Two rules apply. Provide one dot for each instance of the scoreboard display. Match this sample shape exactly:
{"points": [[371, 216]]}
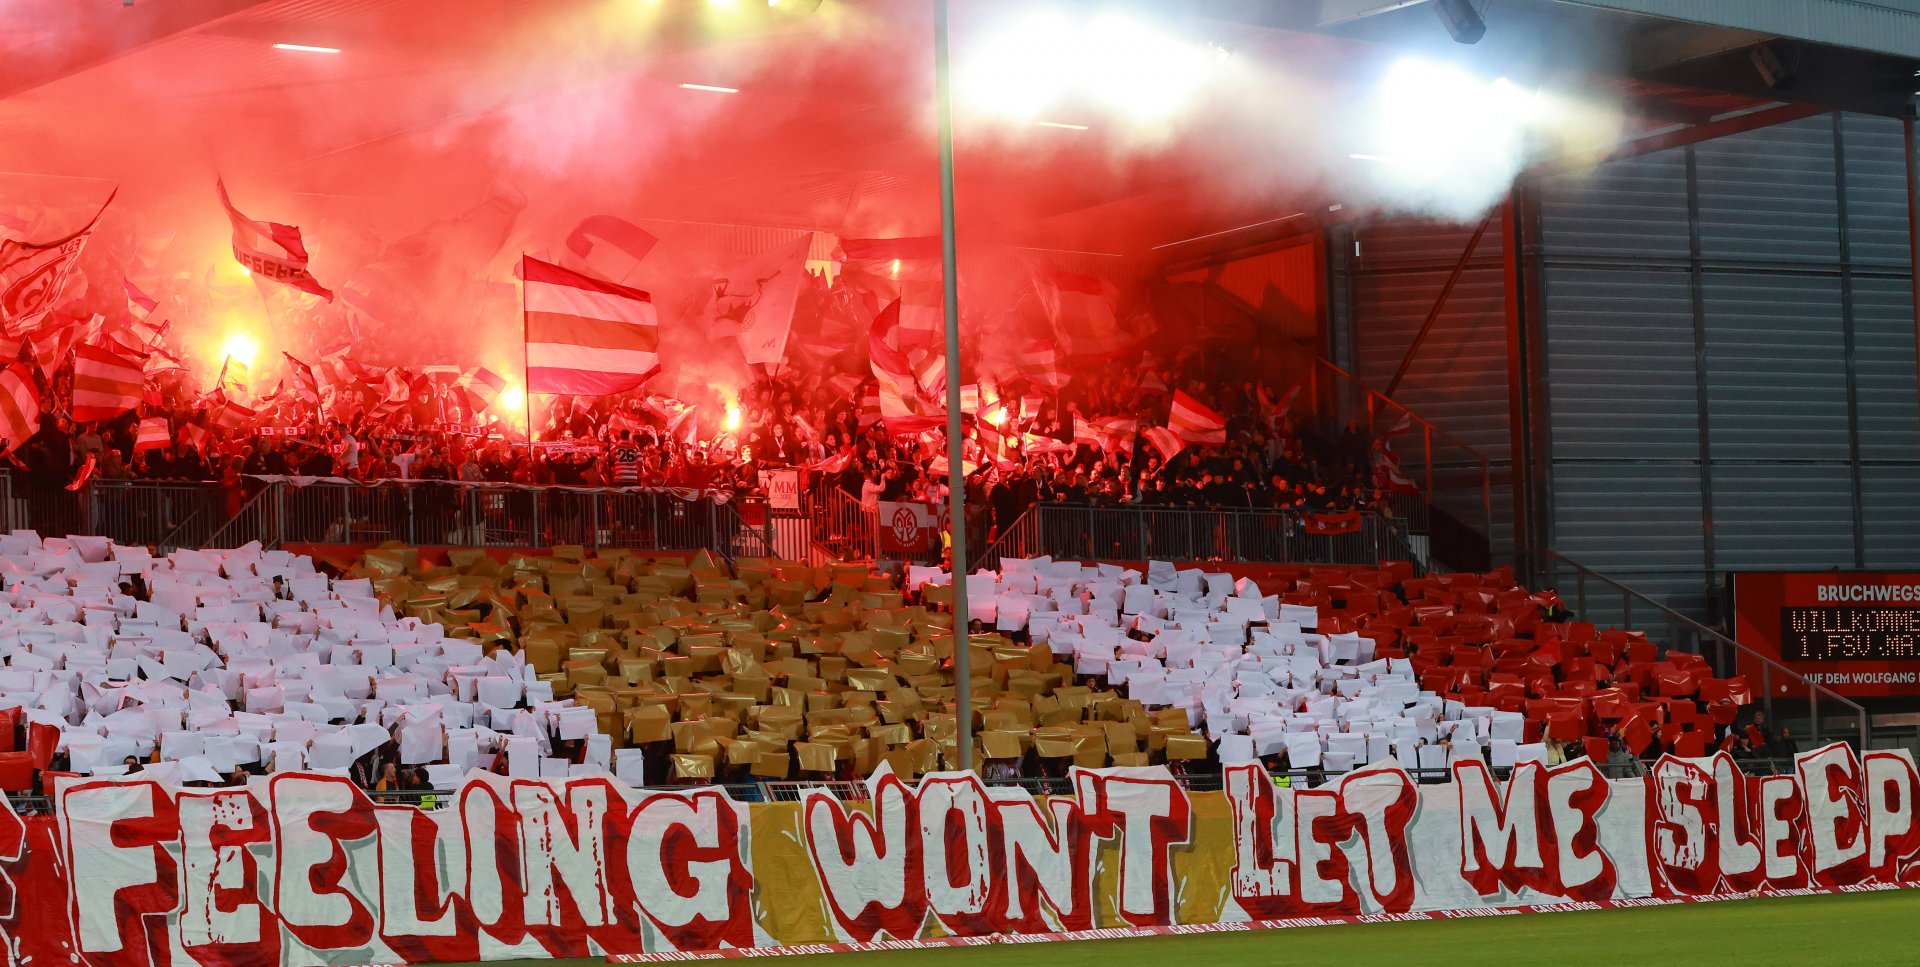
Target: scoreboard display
{"points": [[1857, 633]]}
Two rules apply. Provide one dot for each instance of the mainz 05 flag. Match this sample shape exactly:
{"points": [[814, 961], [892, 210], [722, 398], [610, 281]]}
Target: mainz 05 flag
{"points": [[32, 274], [586, 336], [270, 250]]}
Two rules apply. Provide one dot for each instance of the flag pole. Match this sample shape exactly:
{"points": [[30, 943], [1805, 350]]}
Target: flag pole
{"points": [[956, 480], [526, 363]]}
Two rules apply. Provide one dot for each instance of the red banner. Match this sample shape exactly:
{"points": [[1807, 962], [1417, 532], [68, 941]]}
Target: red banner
{"points": [[1857, 633]]}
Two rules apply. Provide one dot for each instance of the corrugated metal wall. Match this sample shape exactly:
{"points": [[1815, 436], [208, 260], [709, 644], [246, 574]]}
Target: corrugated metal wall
{"points": [[1459, 378], [1730, 358]]}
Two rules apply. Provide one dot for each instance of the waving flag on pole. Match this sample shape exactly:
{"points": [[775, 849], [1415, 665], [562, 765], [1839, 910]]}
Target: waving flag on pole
{"points": [[1080, 307], [105, 384], [1164, 440], [153, 435], [270, 250], [1194, 422], [586, 336], [898, 388], [19, 407], [1039, 360], [230, 416], [305, 386]]}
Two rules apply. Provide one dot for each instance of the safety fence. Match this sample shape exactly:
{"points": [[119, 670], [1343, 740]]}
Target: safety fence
{"points": [[1182, 534]]}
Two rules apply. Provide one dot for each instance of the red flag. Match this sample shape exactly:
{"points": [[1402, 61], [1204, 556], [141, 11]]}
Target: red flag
{"points": [[153, 434], [1194, 422], [19, 407], [105, 385], [586, 336], [1165, 441], [1326, 525], [270, 250]]}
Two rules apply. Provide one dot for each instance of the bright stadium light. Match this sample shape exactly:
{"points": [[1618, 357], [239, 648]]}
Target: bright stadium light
{"points": [[1436, 131], [1139, 70], [711, 88], [307, 48]]}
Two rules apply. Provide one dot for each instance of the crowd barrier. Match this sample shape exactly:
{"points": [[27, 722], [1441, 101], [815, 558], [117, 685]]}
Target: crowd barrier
{"points": [[307, 869]]}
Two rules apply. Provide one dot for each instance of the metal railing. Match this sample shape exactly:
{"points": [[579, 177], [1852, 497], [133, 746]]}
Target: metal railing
{"points": [[1180, 534], [1784, 694], [154, 513], [448, 513]]}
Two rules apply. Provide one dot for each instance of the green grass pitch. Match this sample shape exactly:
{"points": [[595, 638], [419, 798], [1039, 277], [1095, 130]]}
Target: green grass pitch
{"points": [[1860, 930]]}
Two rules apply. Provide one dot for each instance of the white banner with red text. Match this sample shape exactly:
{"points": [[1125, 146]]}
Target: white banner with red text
{"points": [[306, 869]]}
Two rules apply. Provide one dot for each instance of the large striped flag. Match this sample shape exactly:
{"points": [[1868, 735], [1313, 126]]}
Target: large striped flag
{"points": [[153, 435], [586, 336], [1194, 422], [19, 407], [270, 250], [105, 384]]}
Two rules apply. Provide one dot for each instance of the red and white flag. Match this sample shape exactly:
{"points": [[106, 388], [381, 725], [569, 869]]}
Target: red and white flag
{"points": [[105, 384], [931, 373], [153, 434], [484, 383], [270, 250], [762, 294], [230, 416], [33, 274], [194, 437], [148, 324], [1164, 440], [586, 336], [305, 386], [923, 321], [1080, 307], [897, 387], [19, 407], [1039, 360], [1387, 473], [1194, 422]]}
